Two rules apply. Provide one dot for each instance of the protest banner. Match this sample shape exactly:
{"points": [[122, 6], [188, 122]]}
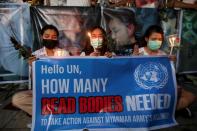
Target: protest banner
{"points": [[103, 94]]}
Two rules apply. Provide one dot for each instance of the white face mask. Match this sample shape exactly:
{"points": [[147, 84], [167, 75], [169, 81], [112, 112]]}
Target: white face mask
{"points": [[96, 42]]}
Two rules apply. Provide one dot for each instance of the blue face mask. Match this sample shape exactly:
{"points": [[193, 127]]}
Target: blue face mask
{"points": [[154, 44]]}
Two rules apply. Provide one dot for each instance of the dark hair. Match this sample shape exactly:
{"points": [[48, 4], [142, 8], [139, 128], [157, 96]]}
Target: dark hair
{"points": [[102, 30], [153, 29], [125, 15], [89, 49], [52, 27]]}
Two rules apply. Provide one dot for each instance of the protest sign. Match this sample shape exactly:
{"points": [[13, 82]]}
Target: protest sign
{"points": [[102, 93]]}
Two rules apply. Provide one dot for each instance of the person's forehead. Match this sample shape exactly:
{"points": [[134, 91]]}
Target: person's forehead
{"points": [[115, 22], [96, 31], [50, 32], [155, 34]]}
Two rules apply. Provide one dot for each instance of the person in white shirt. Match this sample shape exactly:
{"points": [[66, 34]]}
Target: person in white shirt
{"points": [[49, 35], [154, 39]]}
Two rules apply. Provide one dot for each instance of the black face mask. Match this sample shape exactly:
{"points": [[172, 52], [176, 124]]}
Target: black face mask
{"points": [[50, 44]]}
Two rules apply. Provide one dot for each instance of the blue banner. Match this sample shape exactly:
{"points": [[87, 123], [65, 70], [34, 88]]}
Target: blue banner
{"points": [[103, 93]]}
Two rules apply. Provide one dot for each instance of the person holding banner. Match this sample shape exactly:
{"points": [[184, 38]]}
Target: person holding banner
{"points": [[154, 37], [49, 35], [122, 26], [97, 45]]}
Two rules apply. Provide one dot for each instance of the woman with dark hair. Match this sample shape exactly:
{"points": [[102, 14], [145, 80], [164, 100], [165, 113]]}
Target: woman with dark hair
{"points": [[49, 36], [153, 39], [97, 45]]}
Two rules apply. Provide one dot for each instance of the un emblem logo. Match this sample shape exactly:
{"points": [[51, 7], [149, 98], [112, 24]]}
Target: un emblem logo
{"points": [[151, 75]]}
